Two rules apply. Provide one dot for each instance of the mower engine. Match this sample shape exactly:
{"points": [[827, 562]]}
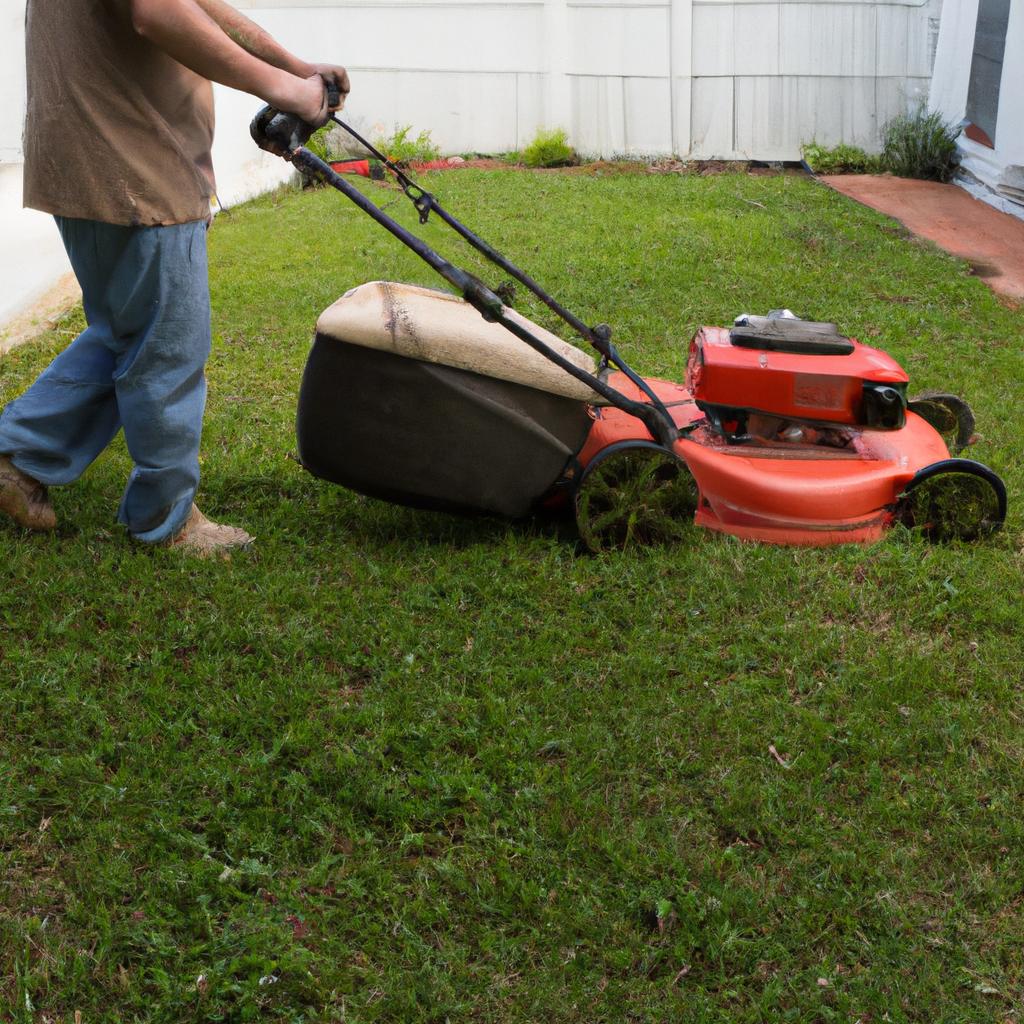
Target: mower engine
{"points": [[783, 379]]}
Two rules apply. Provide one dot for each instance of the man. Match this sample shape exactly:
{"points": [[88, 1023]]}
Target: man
{"points": [[117, 147]]}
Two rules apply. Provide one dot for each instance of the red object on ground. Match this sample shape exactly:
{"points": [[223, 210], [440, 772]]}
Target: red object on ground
{"points": [[361, 167], [991, 241]]}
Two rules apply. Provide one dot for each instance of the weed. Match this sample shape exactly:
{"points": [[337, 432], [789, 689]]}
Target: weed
{"points": [[842, 159], [326, 143], [402, 149], [320, 143], [549, 148], [921, 145]]}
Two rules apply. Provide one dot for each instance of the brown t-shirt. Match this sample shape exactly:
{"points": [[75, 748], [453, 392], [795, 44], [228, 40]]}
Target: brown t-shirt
{"points": [[116, 130]]}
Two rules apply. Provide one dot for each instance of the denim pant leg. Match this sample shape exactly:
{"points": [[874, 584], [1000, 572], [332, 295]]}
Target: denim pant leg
{"points": [[138, 364], [160, 381], [56, 429]]}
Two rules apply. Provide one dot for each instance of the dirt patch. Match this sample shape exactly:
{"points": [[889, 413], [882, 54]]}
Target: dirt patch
{"points": [[663, 165], [709, 168], [42, 315], [992, 242], [487, 163], [603, 168]]}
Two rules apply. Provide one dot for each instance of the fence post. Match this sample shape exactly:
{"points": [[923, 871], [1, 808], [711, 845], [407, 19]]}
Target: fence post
{"points": [[680, 65], [558, 111]]}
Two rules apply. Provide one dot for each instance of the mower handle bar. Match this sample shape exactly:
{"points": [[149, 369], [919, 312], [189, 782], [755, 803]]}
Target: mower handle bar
{"points": [[286, 135], [599, 336]]}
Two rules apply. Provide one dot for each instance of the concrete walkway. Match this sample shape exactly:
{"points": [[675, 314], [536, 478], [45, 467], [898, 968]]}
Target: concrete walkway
{"points": [[41, 315], [32, 258], [992, 242]]}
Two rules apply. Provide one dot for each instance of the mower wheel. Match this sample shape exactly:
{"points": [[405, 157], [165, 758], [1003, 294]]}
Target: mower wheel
{"points": [[950, 415], [955, 499], [635, 492]]}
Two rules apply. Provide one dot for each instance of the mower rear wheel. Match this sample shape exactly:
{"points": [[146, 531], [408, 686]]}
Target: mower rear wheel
{"points": [[956, 499], [635, 493], [950, 415]]}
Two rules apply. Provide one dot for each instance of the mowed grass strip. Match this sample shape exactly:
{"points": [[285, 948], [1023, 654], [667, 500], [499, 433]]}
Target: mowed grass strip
{"points": [[396, 766]]}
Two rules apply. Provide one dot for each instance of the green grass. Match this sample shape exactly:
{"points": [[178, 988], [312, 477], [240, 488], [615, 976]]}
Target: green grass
{"points": [[841, 159], [396, 766]]}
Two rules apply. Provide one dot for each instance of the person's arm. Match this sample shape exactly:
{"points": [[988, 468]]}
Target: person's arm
{"points": [[261, 44], [183, 30]]}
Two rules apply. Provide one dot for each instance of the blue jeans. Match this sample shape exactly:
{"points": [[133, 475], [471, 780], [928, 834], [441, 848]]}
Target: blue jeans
{"points": [[138, 365]]}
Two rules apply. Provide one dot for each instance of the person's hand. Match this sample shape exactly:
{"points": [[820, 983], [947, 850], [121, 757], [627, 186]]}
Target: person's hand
{"points": [[304, 97], [332, 73]]}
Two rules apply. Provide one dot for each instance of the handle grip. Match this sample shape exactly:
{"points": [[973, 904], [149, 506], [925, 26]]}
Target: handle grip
{"points": [[281, 133]]}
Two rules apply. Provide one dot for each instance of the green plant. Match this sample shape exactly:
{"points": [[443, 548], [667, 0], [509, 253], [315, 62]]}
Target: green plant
{"points": [[402, 149], [550, 148], [322, 143], [841, 159], [319, 143], [920, 145]]}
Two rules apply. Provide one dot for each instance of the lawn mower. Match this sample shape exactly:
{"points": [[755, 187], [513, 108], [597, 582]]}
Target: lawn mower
{"points": [[783, 431]]}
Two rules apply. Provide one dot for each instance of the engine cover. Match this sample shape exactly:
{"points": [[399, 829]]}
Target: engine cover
{"points": [[800, 378]]}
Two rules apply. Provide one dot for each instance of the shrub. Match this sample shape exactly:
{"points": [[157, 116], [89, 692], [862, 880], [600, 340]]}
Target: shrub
{"points": [[920, 145], [401, 149], [320, 145], [550, 148], [840, 159]]}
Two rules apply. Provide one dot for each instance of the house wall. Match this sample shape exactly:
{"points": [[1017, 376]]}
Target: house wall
{"points": [[12, 80], [993, 168]]}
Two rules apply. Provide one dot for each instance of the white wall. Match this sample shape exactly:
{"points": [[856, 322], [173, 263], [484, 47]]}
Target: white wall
{"points": [[994, 168], [721, 78], [770, 76], [31, 253], [12, 78], [243, 170]]}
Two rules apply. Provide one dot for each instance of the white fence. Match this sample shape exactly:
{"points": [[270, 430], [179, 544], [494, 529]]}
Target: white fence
{"points": [[707, 79]]}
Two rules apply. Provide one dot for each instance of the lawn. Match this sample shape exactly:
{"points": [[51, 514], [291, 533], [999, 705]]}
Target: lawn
{"points": [[397, 766]]}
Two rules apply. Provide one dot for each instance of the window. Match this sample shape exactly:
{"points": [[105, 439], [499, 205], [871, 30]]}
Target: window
{"points": [[986, 70]]}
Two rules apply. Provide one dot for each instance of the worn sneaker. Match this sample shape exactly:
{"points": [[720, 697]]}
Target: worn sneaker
{"points": [[199, 536], [24, 498]]}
